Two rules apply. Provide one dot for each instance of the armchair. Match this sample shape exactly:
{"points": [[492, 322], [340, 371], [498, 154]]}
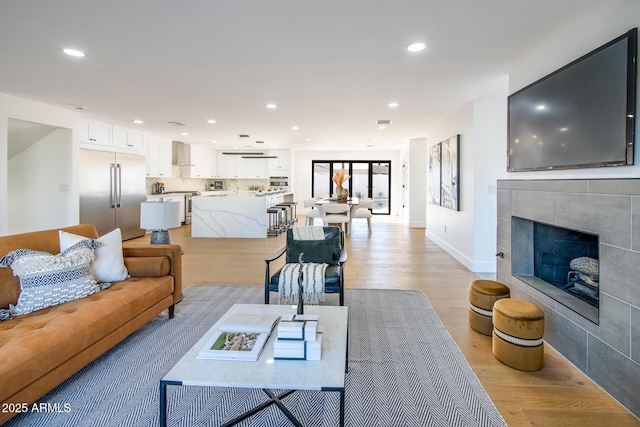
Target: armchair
{"points": [[330, 250]]}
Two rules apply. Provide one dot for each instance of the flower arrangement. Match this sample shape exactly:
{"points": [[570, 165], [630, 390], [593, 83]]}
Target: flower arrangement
{"points": [[339, 176]]}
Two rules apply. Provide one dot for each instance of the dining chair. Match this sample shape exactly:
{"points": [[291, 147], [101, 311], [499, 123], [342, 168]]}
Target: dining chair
{"points": [[313, 213], [336, 213], [362, 210]]}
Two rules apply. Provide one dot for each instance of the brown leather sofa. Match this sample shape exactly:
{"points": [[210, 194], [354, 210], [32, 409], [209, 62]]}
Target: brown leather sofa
{"points": [[40, 350]]}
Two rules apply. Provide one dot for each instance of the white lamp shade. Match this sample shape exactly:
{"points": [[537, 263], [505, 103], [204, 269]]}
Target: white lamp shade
{"points": [[159, 215]]}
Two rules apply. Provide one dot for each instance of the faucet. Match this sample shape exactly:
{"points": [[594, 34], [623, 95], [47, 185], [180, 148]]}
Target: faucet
{"points": [[236, 182]]}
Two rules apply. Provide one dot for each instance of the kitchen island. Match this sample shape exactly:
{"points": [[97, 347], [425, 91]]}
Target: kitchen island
{"points": [[233, 215]]}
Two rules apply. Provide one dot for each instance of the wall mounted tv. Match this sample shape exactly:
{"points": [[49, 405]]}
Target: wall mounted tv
{"points": [[580, 116]]}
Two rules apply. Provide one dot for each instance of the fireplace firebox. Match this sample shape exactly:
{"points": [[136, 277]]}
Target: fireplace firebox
{"points": [[559, 262]]}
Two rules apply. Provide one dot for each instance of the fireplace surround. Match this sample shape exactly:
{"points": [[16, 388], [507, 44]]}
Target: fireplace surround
{"points": [[608, 351]]}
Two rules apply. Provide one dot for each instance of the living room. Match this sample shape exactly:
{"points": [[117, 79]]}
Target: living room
{"points": [[469, 236]]}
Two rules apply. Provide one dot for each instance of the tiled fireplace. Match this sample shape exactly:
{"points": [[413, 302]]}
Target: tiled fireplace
{"points": [[549, 258], [565, 220]]}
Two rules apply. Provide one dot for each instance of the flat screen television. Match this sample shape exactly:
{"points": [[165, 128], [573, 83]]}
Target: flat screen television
{"points": [[580, 116]]}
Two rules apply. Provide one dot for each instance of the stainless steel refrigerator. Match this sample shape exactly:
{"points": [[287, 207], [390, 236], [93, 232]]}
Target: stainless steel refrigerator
{"points": [[112, 186]]}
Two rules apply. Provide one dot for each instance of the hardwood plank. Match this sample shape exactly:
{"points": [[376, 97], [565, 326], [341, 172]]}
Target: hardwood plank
{"points": [[397, 257]]}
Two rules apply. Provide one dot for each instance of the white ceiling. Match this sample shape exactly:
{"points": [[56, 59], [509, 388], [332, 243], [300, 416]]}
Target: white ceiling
{"points": [[330, 66]]}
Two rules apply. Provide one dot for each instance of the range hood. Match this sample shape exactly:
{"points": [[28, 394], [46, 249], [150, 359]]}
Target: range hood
{"points": [[181, 154]]}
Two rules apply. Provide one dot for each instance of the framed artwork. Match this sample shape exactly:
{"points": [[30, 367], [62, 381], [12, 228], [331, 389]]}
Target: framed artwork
{"points": [[444, 173], [434, 174], [449, 180]]}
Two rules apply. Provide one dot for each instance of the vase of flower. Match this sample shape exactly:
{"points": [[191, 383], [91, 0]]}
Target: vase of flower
{"points": [[342, 193], [339, 178]]}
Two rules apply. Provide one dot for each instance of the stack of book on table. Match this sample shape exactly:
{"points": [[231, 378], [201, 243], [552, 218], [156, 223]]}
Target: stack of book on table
{"points": [[239, 337], [298, 338]]}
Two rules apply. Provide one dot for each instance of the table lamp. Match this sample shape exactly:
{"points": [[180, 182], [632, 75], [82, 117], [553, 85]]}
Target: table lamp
{"points": [[160, 217]]}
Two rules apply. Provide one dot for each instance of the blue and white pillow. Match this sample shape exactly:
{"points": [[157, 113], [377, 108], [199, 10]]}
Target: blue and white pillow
{"points": [[47, 280]]}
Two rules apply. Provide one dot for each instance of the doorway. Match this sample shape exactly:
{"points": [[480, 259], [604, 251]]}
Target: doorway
{"points": [[39, 176], [367, 179]]}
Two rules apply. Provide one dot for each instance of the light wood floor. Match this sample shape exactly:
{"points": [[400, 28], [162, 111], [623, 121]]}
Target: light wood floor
{"points": [[398, 257]]}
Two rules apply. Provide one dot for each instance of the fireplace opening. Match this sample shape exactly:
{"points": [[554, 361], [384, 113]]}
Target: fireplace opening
{"points": [[560, 262]]}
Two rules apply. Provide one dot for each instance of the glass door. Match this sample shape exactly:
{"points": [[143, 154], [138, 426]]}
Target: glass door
{"points": [[321, 180], [367, 179], [380, 188]]}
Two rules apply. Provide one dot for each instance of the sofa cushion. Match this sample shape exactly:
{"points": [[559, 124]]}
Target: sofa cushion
{"points": [[47, 280], [34, 344], [108, 265]]}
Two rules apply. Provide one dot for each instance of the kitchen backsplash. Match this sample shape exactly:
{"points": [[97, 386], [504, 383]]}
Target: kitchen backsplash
{"points": [[178, 183]]}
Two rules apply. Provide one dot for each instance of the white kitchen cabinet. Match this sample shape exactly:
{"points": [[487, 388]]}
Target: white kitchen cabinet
{"points": [[95, 132], [199, 159], [158, 157], [282, 160], [127, 138], [212, 158], [221, 165], [257, 168], [235, 166]]}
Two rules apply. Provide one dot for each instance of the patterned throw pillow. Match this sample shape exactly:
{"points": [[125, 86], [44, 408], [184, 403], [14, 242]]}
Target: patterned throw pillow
{"points": [[47, 279]]}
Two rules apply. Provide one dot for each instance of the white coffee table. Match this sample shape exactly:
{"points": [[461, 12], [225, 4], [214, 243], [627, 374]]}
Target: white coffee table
{"points": [[326, 374]]}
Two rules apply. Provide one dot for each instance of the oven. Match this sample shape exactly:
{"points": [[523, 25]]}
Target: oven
{"points": [[280, 182]]}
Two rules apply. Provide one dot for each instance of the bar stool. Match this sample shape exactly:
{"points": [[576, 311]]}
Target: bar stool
{"points": [[288, 211], [274, 221], [285, 211], [292, 207]]}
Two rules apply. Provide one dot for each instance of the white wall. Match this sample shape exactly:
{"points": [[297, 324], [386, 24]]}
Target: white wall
{"points": [[615, 19], [470, 234], [418, 166], [18, 108], [301, 174], [39, 197]]}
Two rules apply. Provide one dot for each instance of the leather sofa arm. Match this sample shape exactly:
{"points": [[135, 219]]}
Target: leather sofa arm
{"points": [[172, 252]]}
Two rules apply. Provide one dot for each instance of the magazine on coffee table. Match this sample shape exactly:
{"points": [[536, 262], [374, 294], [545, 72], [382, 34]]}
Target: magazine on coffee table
{"points": [[239, 337]]}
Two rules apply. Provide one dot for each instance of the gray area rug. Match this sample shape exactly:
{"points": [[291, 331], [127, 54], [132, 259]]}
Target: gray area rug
{"points": [[404, 370]]}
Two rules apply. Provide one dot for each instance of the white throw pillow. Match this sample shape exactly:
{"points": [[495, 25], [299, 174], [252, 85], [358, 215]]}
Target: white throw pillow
{"points": [[109, 264]]}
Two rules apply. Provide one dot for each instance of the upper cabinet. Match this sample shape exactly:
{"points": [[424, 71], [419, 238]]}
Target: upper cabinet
{"points": [[103, 134], [281, 165], [95, 132], [158, 157], [127, 138]]}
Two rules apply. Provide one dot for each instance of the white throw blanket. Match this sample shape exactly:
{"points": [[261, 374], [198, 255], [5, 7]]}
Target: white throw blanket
{"points": [[308, 233], [312, 283]]}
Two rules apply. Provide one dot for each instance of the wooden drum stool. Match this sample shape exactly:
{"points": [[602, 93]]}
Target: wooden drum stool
{"points": [[518, 327], [482, 295]]}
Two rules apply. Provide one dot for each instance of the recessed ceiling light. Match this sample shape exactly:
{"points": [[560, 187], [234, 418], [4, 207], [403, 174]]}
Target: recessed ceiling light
{"points": [[416, 47], [80, 107], [295, 127], [308, 139], [211, 121], [271, 106], [393, 104], [74, 52], [214, 142], [382, 127], [138, 121], [184, 134]]}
